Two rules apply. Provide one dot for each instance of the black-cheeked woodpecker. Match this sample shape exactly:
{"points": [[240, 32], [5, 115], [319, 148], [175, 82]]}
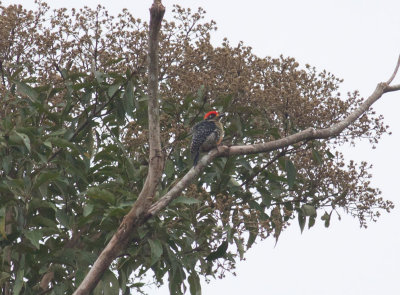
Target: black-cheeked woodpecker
{"points": [[207, 135]]}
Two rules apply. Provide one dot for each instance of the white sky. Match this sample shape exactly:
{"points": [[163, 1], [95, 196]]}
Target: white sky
{"points": [[355, 40]]}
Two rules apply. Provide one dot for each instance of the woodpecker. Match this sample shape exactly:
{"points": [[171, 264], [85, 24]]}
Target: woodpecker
{"points": [[207, 135]]}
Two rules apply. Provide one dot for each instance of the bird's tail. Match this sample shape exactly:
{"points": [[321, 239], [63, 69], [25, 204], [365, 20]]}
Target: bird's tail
{"points": [[195, 158]]}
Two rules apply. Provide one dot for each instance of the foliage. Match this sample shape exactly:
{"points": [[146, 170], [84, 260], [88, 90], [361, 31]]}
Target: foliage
{"points": [[73, 150]]}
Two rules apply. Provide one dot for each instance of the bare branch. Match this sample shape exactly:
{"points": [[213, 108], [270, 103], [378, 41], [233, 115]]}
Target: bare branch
{"points": [[137, 214], [394, 72]]}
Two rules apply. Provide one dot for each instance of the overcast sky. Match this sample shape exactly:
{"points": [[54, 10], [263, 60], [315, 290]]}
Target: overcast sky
{"points": [[358, 41]]}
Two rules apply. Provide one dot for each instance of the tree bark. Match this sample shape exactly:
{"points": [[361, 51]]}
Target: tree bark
{"points": [[138, 212]]}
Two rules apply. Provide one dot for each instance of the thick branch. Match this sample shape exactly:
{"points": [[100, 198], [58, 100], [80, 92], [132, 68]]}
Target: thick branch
{"points": [[137, 214], [156, 14], [392, 88]]}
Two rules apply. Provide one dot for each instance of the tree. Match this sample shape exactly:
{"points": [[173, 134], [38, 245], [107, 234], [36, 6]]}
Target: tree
{"points": [[83, 164]]}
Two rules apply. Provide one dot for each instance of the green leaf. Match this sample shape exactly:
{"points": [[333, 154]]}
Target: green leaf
{"points": [[25, 139], [327, 218], [185, 200], [330, 155], [194, 284], [99, 76], [254, 205], [143, 98], [239, 245], [113, 61], [309, 210], [25, 89], [188, 101], [288, 206], [48, 144], [142, 231], [130, 168], [18, 281], [252, 239], [40, 220], [3, 222], [61, 142], [60, 289], [225, 101], [80, 275], [17, 71], [4, 276], [237, 126], [45, 177], [317, 157], [108, 285], [176, 279], [100, 194], [119, 110], [276, 178], [274, 132], [200, 94], [302, 221], [229, 236], [113, 89], [34, 236], [220, 252], [311, 221], [63, 218], [233, 182], [128, 99], [118, 212], [88, 209], [156, 250], [169, 168], [59, 132], [245, 164], [111, 285], [6, 163], [291, 173]]}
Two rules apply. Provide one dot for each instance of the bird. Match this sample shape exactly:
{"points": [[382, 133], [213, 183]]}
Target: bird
{"points": [[206, 135]]}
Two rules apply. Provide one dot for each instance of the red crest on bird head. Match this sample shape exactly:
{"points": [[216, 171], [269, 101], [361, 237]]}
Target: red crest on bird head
{"points": [[210, 113]]}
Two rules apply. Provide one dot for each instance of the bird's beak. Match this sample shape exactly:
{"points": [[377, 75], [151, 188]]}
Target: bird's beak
{"points": [[221, 115]]}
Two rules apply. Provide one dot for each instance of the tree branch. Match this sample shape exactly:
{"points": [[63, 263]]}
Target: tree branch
{"points": [[394, 72], [308, 134], [392, 88], [137, 214]]}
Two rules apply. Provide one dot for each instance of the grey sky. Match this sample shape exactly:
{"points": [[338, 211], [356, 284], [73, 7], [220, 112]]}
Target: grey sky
{"points": [[358, 41]]}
